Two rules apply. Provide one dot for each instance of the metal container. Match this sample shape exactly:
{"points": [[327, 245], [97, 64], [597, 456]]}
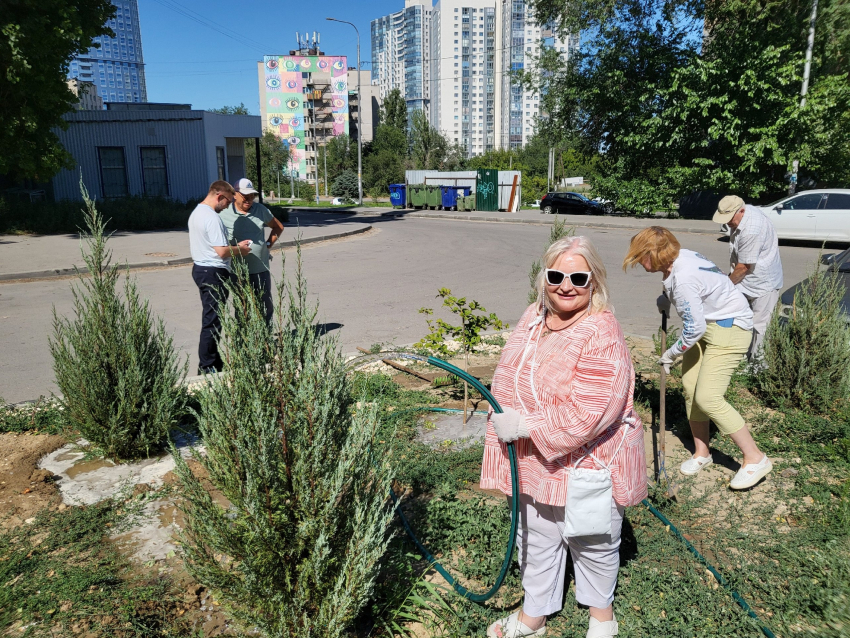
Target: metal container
{"points": [[398, 195], [417, 195], [433, 196]]}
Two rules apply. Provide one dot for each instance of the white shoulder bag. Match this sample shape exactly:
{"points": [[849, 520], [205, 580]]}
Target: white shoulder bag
{"points": [[589, 494]]}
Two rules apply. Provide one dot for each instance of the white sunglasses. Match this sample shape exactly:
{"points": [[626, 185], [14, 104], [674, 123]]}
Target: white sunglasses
{"points": [[577, 279]]}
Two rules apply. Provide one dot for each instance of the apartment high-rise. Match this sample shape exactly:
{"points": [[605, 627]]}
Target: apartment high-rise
{"points": [[474, 46], [117, 66], [401, 44]]}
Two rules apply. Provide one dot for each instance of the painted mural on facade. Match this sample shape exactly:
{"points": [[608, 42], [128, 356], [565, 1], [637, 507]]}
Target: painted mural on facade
{"points": [[285, 96]]}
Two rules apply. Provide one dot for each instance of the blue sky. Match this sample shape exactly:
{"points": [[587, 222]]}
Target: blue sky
{"points": [[215, 65]]}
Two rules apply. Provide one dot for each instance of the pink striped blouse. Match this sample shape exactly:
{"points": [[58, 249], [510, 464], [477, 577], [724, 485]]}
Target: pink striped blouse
{"points": [[582, 393]]}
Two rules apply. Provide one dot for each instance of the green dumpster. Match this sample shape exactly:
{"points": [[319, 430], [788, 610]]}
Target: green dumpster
{"points": [[433, 197], [468, 202], [417, 195], [488, 189]]}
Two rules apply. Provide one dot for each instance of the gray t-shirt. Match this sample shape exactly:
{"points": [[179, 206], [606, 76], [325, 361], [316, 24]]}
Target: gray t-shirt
{"points": [[251, 225], [754, 242], [206, 231]]}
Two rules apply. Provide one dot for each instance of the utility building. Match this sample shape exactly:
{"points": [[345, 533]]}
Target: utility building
{"points": [[154, 150]]}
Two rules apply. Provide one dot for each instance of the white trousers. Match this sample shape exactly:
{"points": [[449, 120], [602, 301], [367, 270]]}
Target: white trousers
{"points": [[543, 559], [762, 308]]}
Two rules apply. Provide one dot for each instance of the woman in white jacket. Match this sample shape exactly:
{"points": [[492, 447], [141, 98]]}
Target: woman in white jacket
{"points": [[717, 328]]}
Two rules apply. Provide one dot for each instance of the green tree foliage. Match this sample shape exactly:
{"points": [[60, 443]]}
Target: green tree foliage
{"points": [[386, 158], [806, 354], [295, 551], [558, 231], [473, 320], [688, 96], [394, 110], [37, 42], [342, 156], [115, 363], [429, 148], [274, 156], [345, 185], [232, 110]]}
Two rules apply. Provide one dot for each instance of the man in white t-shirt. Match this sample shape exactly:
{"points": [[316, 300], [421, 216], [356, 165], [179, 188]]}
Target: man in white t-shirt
{"points": [[754, 260], [211, 256]]}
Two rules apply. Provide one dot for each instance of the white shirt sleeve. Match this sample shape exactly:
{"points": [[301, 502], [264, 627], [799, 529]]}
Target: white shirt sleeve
{"points": [[688, 304], [216, 233]]}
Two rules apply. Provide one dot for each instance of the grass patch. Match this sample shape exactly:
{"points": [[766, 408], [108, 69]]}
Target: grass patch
{"points": [[60, 578], [45, 416]]}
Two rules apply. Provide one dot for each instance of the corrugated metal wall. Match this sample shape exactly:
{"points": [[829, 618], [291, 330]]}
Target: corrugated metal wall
{"points": [[506, 182], [189, 138], [470, 178]]}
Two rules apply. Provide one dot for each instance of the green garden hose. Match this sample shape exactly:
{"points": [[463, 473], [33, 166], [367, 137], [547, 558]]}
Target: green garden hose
{"points": [[506, 563], [480, 598]]}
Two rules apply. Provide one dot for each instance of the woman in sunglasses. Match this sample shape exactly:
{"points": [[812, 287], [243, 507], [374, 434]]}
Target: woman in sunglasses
{"points": [[565, 382], [717, 326]]}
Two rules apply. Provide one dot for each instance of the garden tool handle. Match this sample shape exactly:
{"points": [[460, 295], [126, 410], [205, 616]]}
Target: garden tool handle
{"points": [[662, 402]]}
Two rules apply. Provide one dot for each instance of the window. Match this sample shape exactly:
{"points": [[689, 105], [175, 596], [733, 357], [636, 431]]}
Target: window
{"points": [[803, 202], [154, 172], [838, 201], [113, 171], [219, 157]]}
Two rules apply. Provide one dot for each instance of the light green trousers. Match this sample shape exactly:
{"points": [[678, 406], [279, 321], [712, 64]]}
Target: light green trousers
{"points": [[706, 371]]}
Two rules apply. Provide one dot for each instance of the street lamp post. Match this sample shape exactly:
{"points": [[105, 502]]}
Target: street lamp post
{"points": [[359, 118]]}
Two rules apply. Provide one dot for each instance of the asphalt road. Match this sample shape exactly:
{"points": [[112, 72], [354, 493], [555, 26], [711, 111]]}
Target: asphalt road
{"points": [[370, 288]]}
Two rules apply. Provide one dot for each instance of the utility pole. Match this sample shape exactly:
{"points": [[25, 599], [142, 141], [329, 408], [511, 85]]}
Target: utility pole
{"points": [[359, 118], [315, 149], [325, 153], [792, 187]]}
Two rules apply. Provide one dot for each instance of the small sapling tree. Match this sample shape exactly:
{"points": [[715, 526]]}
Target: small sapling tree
{"points": [[806, 351], [558, 231], [115, 363], [467, 334], [292, 539]]}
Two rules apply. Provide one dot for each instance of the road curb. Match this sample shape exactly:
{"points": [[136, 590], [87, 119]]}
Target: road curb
{"points": [[67, 272], [545, 222]]}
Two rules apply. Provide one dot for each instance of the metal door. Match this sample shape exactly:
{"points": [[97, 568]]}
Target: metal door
{"points": [[487, 195]]}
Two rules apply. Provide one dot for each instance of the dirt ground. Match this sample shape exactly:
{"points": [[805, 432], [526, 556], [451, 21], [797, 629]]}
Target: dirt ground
{"points": [[24, 489]]}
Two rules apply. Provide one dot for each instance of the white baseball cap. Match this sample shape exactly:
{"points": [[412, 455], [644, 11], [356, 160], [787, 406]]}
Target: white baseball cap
{"points": [[245, 186]]}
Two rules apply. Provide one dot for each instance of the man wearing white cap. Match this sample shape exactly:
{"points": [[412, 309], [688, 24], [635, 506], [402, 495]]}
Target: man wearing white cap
{"points": [[754, 259], [246, 219]]}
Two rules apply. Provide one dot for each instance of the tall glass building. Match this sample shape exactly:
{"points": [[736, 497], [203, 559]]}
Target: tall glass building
{"points": [[117, 66], [401, 56]]}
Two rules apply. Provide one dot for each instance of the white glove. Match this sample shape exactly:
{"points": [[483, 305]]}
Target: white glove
{"points": [[509, 426], [667, 360], [663, 304]]}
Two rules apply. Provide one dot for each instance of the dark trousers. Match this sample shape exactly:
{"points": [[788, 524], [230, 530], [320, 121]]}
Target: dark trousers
{"points": [[261, 282], [210, 282]]}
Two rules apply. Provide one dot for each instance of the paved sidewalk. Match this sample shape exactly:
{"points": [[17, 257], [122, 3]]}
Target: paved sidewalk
{"points": [[533, 216], [40, 256]]}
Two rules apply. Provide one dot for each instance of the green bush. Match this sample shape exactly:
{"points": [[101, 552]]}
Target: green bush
{"points": [[806, 352], [66, 216], [115, 364], [345, 185], [296, 550]]}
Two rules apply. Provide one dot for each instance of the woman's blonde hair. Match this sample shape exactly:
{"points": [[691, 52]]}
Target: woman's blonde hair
{"points": [[658, 243], [583, 247]]}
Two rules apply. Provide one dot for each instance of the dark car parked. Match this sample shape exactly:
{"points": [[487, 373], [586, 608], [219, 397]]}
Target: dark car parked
{"points": [[569, 204], [839, 266]]}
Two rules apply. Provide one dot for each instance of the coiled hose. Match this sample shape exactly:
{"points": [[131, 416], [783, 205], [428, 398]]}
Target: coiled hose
{"points": [[480, 598]]}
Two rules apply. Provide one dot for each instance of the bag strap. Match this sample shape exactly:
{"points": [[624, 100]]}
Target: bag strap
{"points": [[625, 426]]}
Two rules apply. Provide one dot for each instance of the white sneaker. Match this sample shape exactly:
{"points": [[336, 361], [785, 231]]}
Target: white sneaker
{"points": [[511, 627], [695, 464], [751, 474], [599, 629]]}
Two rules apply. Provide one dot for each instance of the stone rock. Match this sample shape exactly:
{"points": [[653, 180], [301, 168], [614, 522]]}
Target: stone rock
{"points": [[789, 472]]}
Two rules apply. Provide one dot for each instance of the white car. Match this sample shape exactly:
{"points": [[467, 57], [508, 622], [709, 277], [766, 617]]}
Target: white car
{"points": [[535, 204], [819, 215]]}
